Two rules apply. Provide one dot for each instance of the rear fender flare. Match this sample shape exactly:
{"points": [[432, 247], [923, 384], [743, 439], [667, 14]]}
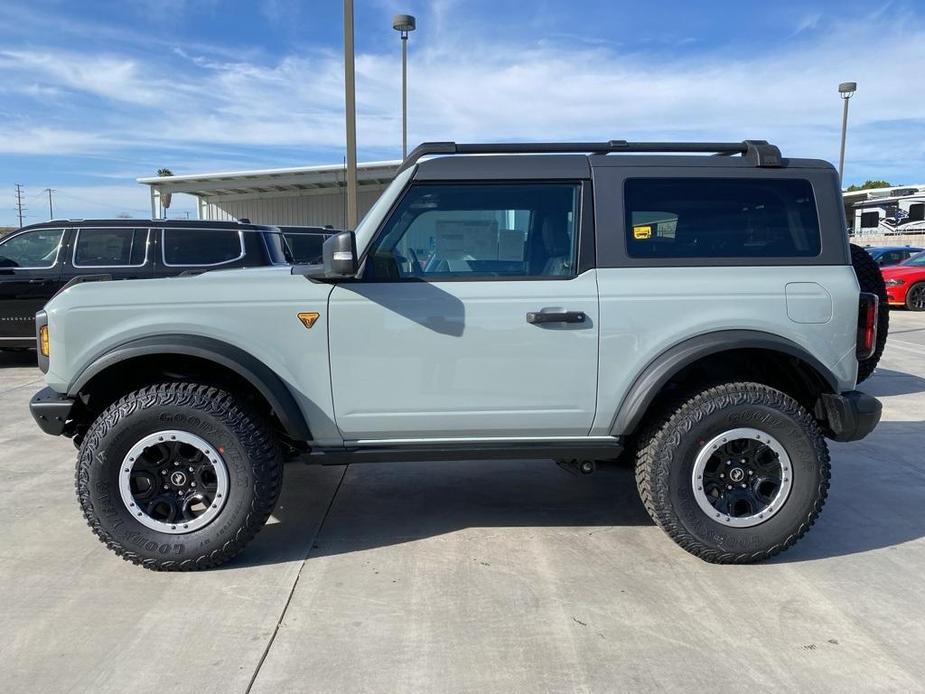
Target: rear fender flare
{"points": [[670, 362]]}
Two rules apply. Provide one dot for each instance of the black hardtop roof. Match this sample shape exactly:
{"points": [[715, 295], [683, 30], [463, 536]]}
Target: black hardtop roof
{"points": [[151, 223], [575, 159]]}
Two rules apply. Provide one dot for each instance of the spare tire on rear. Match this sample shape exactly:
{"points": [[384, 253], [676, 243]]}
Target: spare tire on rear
{"points": [[871, 280]]}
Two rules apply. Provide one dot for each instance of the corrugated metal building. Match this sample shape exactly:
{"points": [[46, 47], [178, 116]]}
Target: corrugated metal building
{"points": [[302, 196]]}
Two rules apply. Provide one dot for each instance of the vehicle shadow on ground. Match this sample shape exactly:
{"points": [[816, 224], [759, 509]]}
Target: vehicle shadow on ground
{"points": [[10, 359], [887, 382], [876, 496], [875, 502], [379, 505]]}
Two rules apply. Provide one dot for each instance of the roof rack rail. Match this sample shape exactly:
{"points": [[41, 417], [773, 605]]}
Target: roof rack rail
{"points": [[759, 152]]}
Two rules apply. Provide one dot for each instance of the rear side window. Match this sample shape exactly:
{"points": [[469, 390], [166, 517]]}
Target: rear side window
{"points": [[110, 247], [721, 218], [201, 246]]}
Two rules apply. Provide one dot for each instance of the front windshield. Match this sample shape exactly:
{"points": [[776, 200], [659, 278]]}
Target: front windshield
{"points": [[370, 222], [918, 259]]}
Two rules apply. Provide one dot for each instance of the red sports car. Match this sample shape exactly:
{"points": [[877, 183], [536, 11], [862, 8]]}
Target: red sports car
{"points": [[905, 283]]}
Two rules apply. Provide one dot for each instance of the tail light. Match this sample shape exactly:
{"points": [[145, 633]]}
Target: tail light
{"points": [[867, 325]]}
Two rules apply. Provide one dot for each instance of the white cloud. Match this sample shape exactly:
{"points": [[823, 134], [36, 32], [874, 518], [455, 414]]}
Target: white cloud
{"points": [[807, 22], [46, 140], [112, 77], [464, 89]]}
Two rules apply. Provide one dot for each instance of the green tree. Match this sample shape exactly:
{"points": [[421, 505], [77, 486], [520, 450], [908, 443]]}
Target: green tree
{"points": [[870, 183], [164, 172]]}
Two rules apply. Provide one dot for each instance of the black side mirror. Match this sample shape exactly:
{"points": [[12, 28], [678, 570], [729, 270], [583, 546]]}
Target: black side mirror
{"points": [[339, 255], [338, 259]]}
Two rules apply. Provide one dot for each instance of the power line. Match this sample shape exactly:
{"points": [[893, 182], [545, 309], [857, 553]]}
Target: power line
{"points": [[19, 206]]}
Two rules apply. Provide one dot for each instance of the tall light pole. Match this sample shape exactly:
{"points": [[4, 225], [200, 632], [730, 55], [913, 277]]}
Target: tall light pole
{"points": [[846, 90], [404, 23], [351, 108]]}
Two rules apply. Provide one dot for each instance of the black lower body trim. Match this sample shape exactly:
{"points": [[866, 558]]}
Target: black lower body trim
{"points": [[51, 410], [17, 343], [592, 450]]}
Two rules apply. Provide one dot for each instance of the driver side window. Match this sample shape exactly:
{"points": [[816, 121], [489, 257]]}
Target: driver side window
{"points": [[479, 231]]}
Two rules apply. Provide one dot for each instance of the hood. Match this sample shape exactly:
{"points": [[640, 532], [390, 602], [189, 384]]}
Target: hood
{"points": [[274, 283]]}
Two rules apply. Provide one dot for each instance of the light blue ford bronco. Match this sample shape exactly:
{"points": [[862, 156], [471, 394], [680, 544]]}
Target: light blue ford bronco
{"points": [[697, 313]]}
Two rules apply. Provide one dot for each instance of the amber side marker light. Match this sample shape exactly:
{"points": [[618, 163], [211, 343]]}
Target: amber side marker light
{"points": [[308, 318], [43, 340]]}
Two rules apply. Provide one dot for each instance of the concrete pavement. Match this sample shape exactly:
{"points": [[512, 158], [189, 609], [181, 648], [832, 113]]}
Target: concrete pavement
{"points": [[473, 577]]}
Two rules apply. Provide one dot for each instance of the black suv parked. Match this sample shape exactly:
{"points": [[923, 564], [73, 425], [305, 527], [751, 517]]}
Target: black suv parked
{"points": [[38, 260], [305, 242]]}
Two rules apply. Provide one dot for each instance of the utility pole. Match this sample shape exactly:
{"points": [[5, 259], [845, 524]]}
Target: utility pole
{"points": [[51, 209], [351, 107], [19, 208]]}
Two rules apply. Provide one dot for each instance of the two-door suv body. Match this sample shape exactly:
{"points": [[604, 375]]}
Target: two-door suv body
{"points": [[566, 301]]}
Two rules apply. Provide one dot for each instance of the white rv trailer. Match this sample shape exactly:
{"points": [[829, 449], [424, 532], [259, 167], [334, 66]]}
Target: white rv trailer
{"points": [[889, 211]]}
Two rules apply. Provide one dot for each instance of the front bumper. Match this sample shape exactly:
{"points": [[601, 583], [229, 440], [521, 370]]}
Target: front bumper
{"points": [[51, 410], [850, 416], [896, 295]]}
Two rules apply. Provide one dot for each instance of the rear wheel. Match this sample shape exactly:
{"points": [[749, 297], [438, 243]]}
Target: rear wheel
{"points": [[915, 297], [178, 476], [870, 280], [736, 474]]}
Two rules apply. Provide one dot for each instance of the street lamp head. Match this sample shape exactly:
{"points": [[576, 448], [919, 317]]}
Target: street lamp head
{"points": [[846, 89], [403, 23]]}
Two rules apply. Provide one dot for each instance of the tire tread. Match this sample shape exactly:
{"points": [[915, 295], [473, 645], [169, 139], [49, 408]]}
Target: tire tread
{"points": [[655, 458], [253, 433], [870, 279]]}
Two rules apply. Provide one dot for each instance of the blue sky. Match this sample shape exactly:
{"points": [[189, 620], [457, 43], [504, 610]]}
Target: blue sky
{"points": [[97, 93]]}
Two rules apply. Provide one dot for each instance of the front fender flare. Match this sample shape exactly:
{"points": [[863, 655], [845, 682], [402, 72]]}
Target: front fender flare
{"points": [[244, 364]]}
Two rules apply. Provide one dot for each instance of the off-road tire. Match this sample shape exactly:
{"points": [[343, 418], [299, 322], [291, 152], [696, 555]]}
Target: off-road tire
{"points": [[871, 280], [665, 461], [249, 451]]}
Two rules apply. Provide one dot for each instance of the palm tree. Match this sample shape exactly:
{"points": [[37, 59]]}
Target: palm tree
{"points": [[165, 197]]}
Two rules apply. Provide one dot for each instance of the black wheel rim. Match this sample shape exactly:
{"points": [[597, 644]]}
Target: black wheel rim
{"points": [[917, 297], [173, 482], [742, 477]]}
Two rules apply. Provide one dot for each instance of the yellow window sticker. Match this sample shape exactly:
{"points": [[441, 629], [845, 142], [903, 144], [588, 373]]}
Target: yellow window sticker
{"points": [[643, 232]]}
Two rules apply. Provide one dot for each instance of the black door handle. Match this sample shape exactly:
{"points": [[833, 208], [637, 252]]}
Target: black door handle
{"points": [[537, 317]]}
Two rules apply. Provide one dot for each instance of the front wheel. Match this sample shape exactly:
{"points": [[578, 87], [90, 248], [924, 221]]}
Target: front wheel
{"points": [[178, 476], [915, 297], [737, 474]]}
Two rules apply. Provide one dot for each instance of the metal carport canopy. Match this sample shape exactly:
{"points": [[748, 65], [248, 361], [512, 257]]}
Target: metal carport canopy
{"points": [[271, 180]]}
